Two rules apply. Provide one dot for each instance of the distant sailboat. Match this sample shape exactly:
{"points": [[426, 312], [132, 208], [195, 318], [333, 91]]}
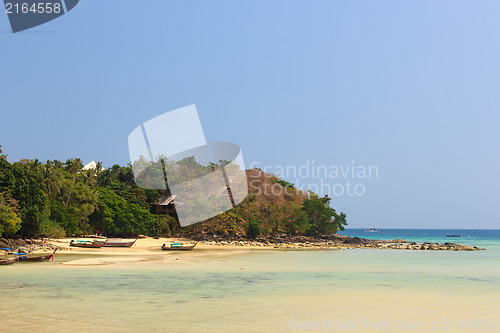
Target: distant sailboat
{"points": [[370, 229]]}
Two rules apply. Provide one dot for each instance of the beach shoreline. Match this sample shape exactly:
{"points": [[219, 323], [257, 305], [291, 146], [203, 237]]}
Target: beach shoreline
{"points": [[153, 245]]}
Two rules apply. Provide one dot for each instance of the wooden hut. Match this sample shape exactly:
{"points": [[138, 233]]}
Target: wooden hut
{"points": [[165, 205]]}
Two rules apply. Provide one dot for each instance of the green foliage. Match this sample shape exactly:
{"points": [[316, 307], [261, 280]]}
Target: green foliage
{"points": [[228, 223], [149, 174], [185, 170], [289, 211], [117, 217], [162, 225], [253, 229], [297, 221], [324, 219], [283, 183], [28, 189], [66, 217], [51, 229], [10, 222], [55, 198]]}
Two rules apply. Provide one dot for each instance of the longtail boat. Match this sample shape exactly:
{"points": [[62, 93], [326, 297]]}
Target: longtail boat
{"points": [[8, 261], [119, 243], [87, 244], [95, 236], [45, 257], [178, 247]]}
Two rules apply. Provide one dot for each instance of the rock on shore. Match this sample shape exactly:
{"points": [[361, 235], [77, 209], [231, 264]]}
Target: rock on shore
{"points": [[329, 241], [26, 245]]}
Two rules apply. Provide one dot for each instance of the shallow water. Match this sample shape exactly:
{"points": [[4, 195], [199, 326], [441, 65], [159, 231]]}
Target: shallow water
{"points": [[255, 291]]}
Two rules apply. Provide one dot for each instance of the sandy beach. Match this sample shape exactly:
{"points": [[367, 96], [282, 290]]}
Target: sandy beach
{"points": [[146, 245], [146, 248], [149, 245]]}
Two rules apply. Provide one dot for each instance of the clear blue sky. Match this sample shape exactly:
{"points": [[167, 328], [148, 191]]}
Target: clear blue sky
{"points": [[409, 86]]}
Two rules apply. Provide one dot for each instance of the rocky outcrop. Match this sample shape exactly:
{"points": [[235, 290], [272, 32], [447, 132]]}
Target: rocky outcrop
{"points": [[329, 241], [25, 245]]}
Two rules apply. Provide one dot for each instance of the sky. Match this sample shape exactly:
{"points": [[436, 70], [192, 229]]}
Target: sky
{"points": [[408, 88]]}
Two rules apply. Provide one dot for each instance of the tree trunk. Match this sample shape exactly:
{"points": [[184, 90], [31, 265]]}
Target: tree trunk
{"points": [[70, 190]]}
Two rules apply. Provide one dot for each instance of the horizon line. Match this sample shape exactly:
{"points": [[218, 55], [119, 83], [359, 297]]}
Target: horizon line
{"points": [[426, 228]]}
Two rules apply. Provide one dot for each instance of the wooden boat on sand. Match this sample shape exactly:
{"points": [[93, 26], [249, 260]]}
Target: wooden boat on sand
{"points": [[117, 242], [178, 247], [8, 261], [87, 244], [45, 257]]}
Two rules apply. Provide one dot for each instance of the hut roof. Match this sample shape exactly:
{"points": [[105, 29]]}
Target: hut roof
{"points": [[165, 200]]}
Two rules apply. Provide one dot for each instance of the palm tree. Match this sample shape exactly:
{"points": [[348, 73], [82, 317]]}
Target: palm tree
{"points": [[98, 166], [36, 163], [57, 164], [92, 174], [73, 166], [50, 177]]}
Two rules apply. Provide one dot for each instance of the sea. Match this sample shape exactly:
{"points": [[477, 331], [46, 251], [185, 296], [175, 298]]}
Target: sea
{"points": [[481, 238], [276, 290]]}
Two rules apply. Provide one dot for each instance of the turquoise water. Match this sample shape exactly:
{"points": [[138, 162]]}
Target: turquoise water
{"points": [[254, 290], [489, 239]]}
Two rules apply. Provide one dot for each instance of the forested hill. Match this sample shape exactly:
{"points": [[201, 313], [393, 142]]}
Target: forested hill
{"points": [[274, 206], [56, 199]]}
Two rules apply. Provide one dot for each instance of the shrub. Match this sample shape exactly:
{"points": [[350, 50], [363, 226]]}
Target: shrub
{"points": [[253, 229], [51, 229]]}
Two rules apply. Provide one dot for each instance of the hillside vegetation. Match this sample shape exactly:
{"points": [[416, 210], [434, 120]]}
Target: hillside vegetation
{"points": [[56, 199], [274, 207]]}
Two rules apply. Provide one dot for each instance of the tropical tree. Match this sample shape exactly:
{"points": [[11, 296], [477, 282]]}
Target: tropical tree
{"points": [[51, 178], [323, 218], [10, 222], [116, 217], [27, 187], [73, 166]]}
